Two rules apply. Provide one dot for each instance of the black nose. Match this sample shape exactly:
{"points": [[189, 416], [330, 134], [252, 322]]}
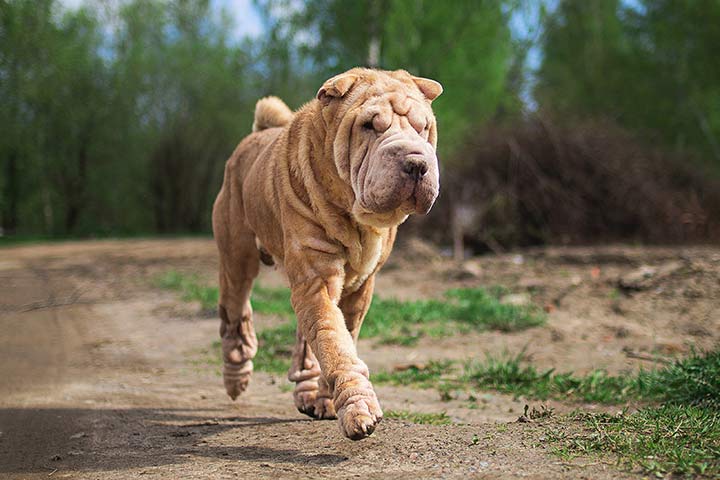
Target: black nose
{"points": [[415, 168]]}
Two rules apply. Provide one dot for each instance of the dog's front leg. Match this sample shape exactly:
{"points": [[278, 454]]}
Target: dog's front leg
{"points": [[322, 323]]}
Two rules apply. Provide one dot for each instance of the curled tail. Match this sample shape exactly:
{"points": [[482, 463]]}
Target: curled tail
{"points": [[271, 112]]}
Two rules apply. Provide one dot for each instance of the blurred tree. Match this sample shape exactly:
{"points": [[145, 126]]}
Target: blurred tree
{"points": [[56, 95], [186, 88], [584, 47], [280, 63], [117, 127], [25, 29], [649, 66], [117, 117], [468, 48], [680, 39]]}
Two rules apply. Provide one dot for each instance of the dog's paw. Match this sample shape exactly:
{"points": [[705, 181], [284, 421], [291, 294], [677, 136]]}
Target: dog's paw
{"points": [[360, 412], [236, 377], [310, 401]]}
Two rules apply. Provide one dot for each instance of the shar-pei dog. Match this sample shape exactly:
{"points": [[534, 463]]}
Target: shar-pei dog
{"points": [[320, 192]]}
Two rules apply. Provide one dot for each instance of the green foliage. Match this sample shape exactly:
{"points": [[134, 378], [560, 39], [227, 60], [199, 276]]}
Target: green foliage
{"points": [[419, 418], [650, 65], [117, 117], [666, 440], [116, 126], [468, 48]]}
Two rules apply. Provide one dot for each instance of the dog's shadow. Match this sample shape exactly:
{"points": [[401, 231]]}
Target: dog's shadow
{"points": [[44, 439]]}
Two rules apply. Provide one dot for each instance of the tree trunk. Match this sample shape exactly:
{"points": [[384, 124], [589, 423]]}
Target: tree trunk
{"points": [[76, 195], [373, 60], [11, 194], [456, 225]]}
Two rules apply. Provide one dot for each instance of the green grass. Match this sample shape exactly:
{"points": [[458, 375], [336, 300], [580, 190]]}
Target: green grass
{"points": [[425, 377], [389, 321], [680, 436], [678, 433], [190, 288], [461, 311], [274, 344], [419, 418], [514, 376], [693, 380], [271, 301], [274, 350], [682, 440]]}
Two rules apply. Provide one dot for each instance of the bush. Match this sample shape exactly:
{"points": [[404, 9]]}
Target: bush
{"points": [[537, 182]]}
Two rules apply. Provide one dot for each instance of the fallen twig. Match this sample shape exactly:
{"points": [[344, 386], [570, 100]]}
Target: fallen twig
{"points": [[647, 357]]}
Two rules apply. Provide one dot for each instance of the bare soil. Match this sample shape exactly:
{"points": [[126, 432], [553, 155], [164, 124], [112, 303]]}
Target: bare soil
{"points": [[100, 378]]}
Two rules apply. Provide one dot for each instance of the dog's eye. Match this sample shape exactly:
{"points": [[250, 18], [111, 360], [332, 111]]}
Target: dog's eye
{"points": [[368, 125]]}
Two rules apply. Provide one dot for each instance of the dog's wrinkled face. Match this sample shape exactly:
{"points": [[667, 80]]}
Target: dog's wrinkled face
{"points": [[384, 146]]}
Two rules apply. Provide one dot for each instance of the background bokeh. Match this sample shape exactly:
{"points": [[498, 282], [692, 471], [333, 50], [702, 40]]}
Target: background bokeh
{"points": [[562, 121]]}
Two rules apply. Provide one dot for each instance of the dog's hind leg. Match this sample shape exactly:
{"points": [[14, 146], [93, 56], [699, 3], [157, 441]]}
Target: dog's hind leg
{"points": [[239, 266], [312, 395], [355, 306]]}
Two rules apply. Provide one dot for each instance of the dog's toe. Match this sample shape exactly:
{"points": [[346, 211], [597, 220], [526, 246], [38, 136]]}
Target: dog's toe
{"points": [[359, 418], [236, 377]]}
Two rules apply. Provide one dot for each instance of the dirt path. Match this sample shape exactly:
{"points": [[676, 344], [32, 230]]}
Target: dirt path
{"points": [[97, 378]]}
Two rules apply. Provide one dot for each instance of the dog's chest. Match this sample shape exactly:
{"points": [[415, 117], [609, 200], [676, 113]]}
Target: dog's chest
{"points": [[363, 261]]}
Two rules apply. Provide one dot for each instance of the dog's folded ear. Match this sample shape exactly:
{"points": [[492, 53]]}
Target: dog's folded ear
{"points": [[337, 86], [430, 88]]}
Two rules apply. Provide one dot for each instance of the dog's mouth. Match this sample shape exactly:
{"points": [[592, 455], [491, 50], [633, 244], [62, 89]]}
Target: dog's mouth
{"points": [[417, 203], [384, 219], [422, 198]]}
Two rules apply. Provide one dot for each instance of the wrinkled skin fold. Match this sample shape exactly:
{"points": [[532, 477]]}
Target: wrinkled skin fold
{"points": [[320, 193]]}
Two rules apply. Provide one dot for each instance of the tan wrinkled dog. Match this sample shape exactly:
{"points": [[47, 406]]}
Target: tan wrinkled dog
{"points": [[321, 192]]}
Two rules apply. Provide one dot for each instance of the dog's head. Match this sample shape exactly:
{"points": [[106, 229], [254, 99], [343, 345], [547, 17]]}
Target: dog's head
{"points": [[384, 141]]}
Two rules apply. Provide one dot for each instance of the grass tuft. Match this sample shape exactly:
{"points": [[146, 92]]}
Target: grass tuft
{"points": [[190, 288], [693, 380], [513, 376], [462, 310], [425, 377], [419, 418], [271, 301]]}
